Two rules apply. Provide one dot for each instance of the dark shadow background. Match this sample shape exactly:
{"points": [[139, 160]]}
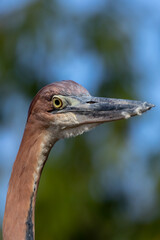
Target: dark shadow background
{"points": [[106, 183]]}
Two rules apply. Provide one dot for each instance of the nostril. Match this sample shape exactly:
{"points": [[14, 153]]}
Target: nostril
{"points": [[91, 102]]}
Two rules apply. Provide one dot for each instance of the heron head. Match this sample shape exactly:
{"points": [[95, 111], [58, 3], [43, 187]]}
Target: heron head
{"points": [[69, 109]]}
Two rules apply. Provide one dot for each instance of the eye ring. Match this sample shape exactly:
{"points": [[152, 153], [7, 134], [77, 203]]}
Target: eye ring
{"points": [[57, 103]]}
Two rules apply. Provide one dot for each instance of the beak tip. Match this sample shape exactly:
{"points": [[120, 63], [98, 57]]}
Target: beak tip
{"points": [[148, 106], [138, 109], [143, 108]]}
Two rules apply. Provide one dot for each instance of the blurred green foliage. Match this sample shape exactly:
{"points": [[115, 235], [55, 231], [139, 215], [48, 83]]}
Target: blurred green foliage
{"points": [[71, 203]]}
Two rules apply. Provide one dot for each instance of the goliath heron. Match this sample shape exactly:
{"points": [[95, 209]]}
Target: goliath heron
{"points": [[59, 110]]}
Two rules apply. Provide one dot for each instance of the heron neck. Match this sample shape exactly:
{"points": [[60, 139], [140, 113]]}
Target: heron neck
{"points": [[18, 220]]}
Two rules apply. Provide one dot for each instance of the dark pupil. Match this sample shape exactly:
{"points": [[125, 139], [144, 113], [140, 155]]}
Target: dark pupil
{"points": [[57, 102]]}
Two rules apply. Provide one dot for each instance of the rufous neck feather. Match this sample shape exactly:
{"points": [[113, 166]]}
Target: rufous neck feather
{"points": [[18, 220]]}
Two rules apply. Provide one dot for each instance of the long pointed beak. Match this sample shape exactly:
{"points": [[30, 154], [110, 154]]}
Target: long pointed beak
{"points": [[98, 110]]}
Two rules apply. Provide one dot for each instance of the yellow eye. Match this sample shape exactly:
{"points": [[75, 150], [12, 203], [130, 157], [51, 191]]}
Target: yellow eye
{"points": [[57, 102]]}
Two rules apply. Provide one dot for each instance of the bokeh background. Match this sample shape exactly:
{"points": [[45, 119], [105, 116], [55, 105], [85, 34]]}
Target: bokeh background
{"points": [[106, 183]]}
